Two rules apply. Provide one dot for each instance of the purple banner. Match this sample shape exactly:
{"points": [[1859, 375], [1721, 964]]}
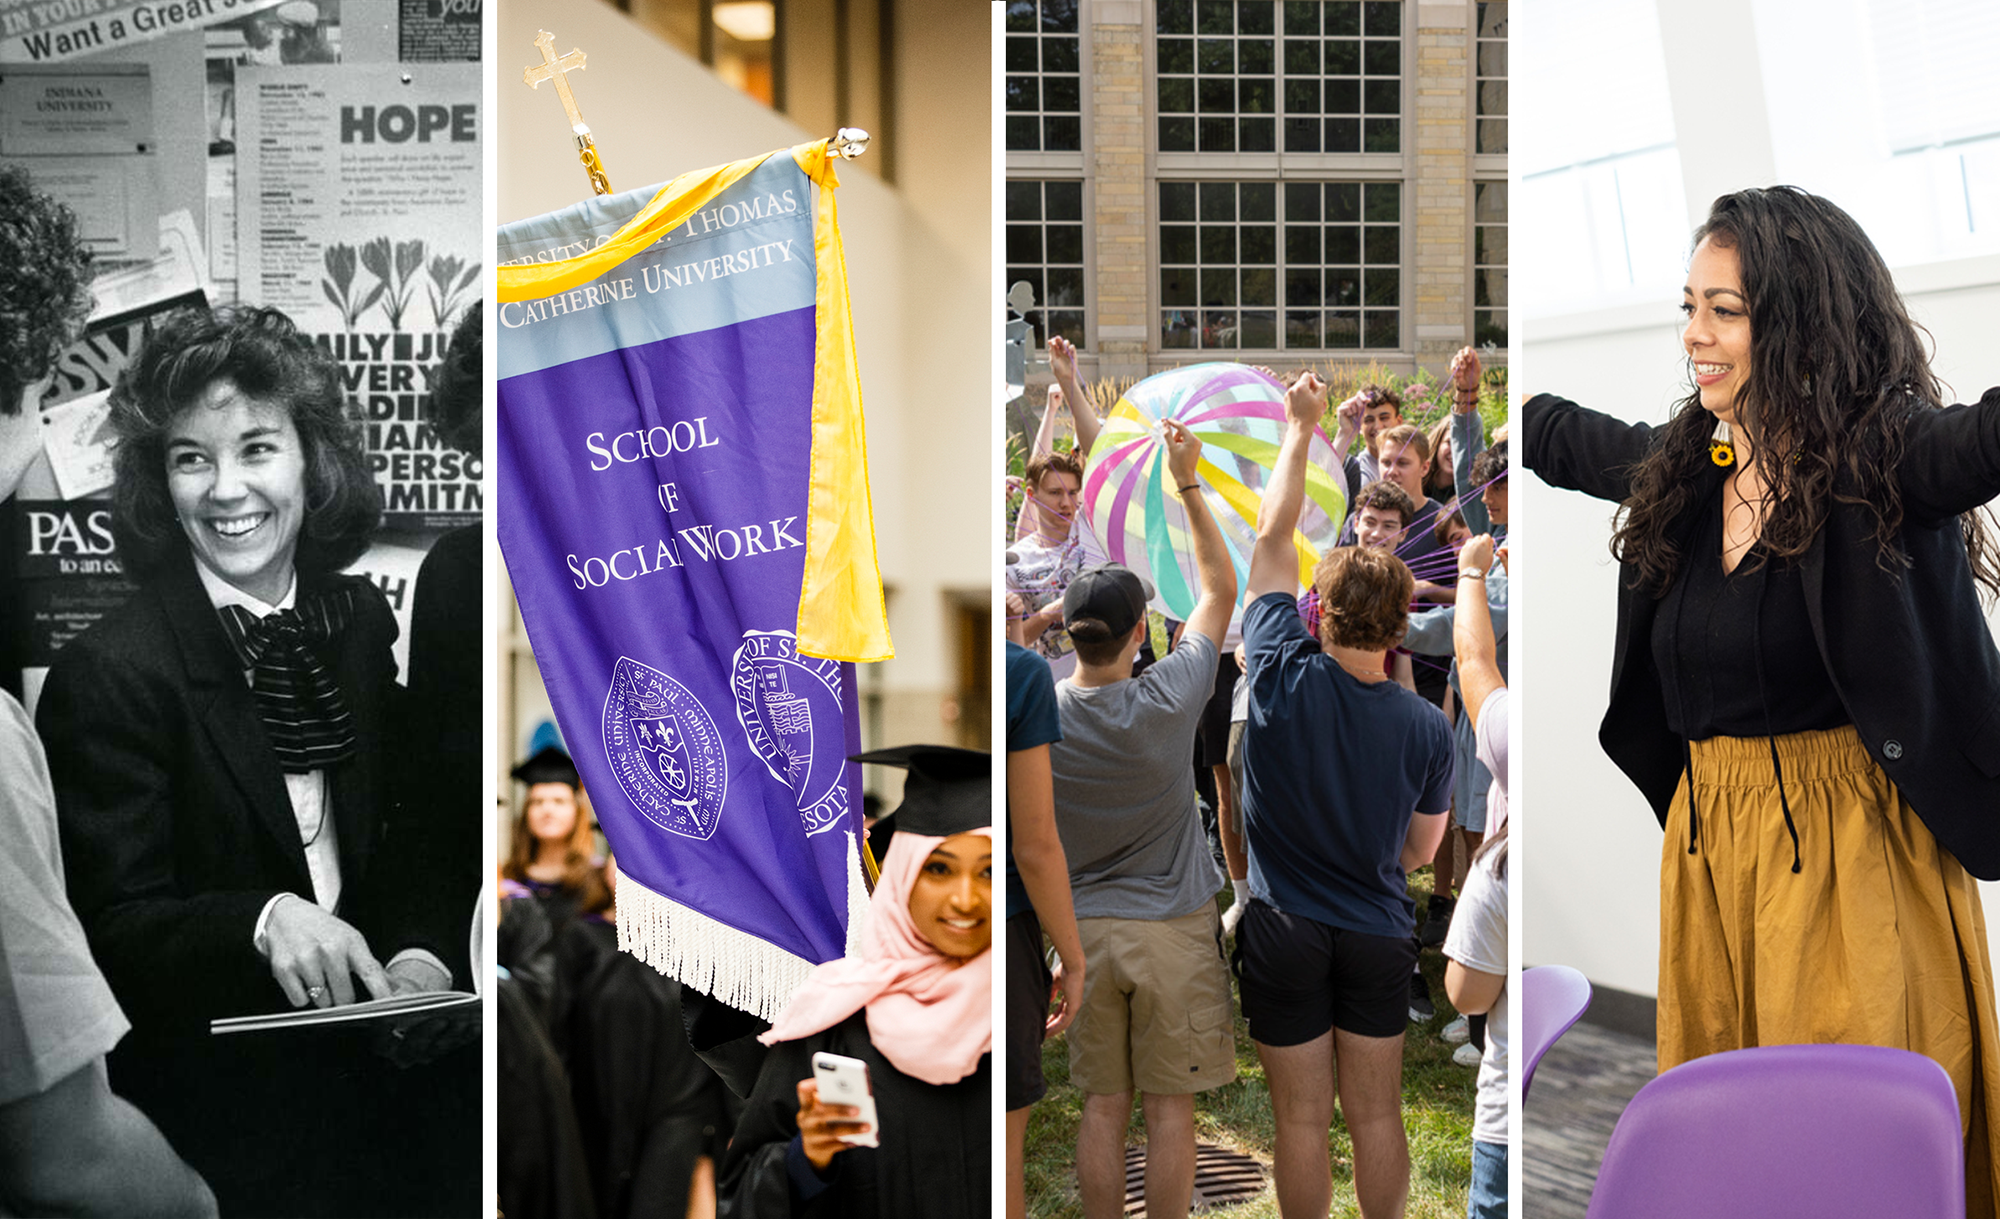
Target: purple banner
{"points": [[653, 516]]}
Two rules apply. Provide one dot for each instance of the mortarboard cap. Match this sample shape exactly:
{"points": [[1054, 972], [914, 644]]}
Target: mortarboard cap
{"points": [[949, 790], [549, 765]]}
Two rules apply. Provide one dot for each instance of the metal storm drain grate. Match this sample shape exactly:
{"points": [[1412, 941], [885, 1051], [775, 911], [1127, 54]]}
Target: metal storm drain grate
{"points": [[1221, 1178]]}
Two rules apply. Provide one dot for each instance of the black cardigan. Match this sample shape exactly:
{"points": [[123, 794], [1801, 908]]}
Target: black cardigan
{"points": [[1909, 652]]}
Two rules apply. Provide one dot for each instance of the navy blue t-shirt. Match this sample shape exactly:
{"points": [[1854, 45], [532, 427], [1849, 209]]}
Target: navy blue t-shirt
{"points": [[1333, 769], [1031, 721]]}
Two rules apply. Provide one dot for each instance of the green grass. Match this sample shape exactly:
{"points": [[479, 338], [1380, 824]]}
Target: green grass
{"points": [[1437, 1111]]}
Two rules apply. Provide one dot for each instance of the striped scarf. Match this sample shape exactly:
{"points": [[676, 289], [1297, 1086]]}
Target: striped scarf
{"points": [[298, 700]]}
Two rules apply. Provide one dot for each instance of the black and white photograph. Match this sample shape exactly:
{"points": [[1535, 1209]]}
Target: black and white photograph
{"points": [[241, 485]]}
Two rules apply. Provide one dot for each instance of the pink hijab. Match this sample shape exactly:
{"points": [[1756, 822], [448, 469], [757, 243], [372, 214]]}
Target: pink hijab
{"points": [[929, 1015]]}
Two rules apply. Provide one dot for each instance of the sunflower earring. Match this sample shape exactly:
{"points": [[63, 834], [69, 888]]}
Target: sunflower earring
{"points": [[1720, 449]]}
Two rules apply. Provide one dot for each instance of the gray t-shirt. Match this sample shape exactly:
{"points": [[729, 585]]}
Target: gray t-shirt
{"points": [[1124, 786]]}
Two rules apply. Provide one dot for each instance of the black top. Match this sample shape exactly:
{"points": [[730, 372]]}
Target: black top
{"points": [[1735, 650], [937, 1143], [1909, 650], [645, 1105], [442, 754], [542, 1170]]}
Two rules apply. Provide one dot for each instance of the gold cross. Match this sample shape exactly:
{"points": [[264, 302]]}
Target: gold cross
{"points": [[553, 69]]}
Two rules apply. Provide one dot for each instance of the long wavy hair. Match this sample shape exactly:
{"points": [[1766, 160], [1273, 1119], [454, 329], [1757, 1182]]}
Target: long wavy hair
{"points": [[582, 872], [1439, 481], [1837, 367]]}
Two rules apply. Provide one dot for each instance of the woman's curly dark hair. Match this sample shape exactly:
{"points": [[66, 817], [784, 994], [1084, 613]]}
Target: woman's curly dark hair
{"points": [[263, 355], [1837, 368], [460, 381], [44, 284]]}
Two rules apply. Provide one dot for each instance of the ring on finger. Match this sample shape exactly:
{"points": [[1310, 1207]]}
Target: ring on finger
{"points": [[314, 992]]}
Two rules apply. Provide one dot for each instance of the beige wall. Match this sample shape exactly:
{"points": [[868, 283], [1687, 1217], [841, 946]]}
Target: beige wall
{"points": [[1438, 305]]}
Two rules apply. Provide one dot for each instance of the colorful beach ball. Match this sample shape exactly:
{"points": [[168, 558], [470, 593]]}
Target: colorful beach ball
{"points": [[1239, 416]]}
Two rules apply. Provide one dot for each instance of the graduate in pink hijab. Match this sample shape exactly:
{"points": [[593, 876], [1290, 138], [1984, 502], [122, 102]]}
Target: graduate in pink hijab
{"points": [[915, 1006]]}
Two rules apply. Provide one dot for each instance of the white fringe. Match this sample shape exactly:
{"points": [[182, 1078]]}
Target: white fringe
{"points": [[734, 966], [857, 896]]}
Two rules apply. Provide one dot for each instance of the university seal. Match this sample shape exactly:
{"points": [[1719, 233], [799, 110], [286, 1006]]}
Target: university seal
{"points": [[786, 703], [664, 750]]}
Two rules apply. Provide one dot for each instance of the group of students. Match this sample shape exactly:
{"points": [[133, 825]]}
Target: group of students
{"points": [[623, 1093], [606, 1110], [1333, 781]]}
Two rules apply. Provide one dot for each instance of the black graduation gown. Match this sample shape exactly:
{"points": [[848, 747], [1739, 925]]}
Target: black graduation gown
{"points": [[443, 828], [542, 1173], [646, 1106], [936, 1154], [534, 951], [526, 949]]}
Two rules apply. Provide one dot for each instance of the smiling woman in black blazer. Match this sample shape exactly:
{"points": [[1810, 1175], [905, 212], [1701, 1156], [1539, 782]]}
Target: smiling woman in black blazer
{"points": [[219, 752], [1804, 685]]}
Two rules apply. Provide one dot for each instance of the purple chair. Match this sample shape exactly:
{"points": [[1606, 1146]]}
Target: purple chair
{"points": [[1553, 998], [1820, 1130]]}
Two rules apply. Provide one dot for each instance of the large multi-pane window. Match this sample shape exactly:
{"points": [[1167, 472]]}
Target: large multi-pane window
{"points": [[1217, 76], [1236, 256], [1343, 264], [1232, 73], [1045, 250], [1218, 264], [1044, 80], [1489, 263], [1490, 77], [1343, 76]]}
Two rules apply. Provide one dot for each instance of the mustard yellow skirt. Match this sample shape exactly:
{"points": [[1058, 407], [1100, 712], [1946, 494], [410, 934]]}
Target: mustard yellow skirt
{"points": [[1877, 939]]}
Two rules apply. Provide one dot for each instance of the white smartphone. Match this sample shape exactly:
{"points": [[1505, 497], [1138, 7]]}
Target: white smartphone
{"points": [[844, 1081]]}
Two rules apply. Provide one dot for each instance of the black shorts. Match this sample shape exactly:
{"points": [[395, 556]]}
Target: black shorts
{"points": [[1214, 735], [1300, 977], [1028, 981]]}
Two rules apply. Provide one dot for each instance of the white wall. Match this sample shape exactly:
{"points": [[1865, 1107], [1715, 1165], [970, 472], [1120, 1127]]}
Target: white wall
{"points": [[1590, 843], [918, 267], [1590, 847]]}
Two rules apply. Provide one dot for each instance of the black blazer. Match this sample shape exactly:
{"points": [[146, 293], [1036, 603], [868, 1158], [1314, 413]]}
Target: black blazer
{"points": [[176, 830], [176, 824], [1909, 652]]}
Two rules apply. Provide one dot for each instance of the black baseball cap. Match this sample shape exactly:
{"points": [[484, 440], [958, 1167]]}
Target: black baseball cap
{"points": [[1109, 592]]}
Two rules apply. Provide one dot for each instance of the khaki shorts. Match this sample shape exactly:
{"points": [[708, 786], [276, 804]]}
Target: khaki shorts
{"points": [[1156, 1013]]}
